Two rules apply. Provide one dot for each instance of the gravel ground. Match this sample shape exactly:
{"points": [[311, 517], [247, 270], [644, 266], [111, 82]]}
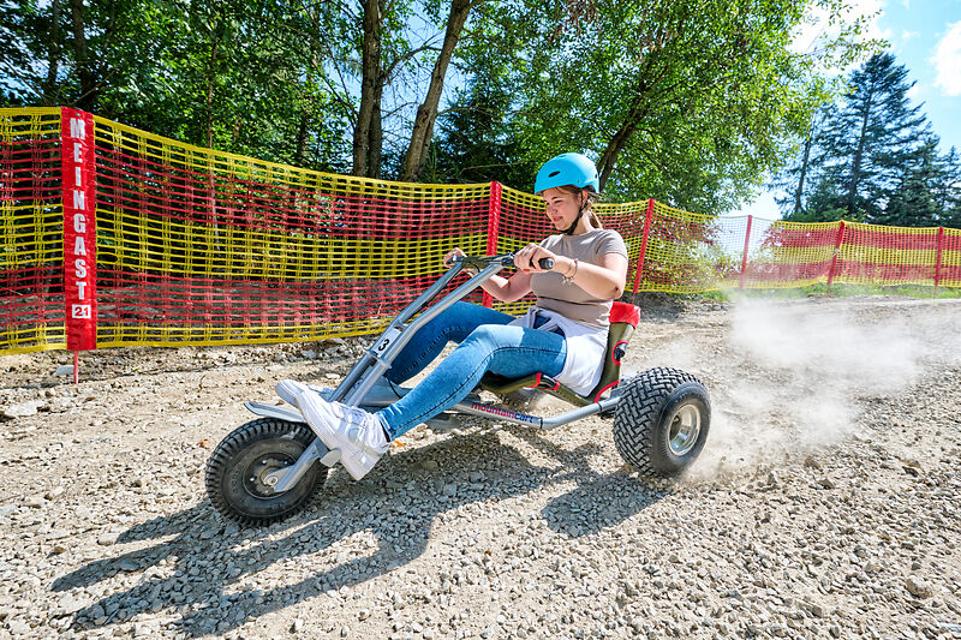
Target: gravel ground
{"points": [[827, 503]]}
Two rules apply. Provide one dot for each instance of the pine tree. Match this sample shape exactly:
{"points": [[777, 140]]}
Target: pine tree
{"points": [[948, 191], [868, 140], [472, 142], [915, 202]]}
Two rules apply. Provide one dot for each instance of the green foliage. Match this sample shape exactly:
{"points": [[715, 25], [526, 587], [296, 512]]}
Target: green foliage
{"points": [[247, 77], [685, 102], [688, 102]]}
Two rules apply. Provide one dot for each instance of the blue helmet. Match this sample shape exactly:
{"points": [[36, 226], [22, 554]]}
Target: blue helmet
{"points": [[572, 169]]}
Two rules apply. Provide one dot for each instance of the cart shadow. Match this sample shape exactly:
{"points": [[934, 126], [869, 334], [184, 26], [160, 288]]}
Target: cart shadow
{"points": [[202, 575], [597, 501]]}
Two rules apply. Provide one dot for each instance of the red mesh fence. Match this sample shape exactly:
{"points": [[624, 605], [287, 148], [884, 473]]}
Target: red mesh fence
{"points": [[31, 231], [202, 247]]}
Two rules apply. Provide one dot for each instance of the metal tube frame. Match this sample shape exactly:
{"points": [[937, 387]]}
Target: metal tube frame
{"points": [[378, 358]]}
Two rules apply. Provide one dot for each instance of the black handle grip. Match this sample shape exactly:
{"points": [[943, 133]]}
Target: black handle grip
{"points": [[546, 263]]}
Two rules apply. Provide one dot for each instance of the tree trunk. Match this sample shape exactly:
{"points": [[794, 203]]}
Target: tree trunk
{"points": [[634, 117], [50, 93], [211, 78], [88, 85], [301, 140], [648, 81], [375, 141], [805, 160], [303, 129], [369, 87], [858, 157], [427, 112]]}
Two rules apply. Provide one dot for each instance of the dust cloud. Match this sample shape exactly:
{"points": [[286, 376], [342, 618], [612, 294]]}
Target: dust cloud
{"points": [[791, 378]]}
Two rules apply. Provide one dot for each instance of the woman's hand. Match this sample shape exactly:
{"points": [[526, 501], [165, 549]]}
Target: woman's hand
{"points": [[527, 259], [456, 252]]}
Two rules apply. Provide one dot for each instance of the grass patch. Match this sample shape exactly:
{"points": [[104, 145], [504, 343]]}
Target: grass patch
{"points": [[836, 290]]}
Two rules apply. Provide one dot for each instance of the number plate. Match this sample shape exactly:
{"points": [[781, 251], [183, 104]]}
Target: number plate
{"points": [[385, 341]]}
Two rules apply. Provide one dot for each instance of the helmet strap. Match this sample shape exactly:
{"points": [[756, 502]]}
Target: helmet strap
{"points": [[580, 213]]}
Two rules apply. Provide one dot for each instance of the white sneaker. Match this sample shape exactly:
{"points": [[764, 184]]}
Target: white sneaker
{"points": [[289, 392], [382, 394], [358, 434]]}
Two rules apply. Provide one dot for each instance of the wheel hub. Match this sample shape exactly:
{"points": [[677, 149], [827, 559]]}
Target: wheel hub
{"points": [[684, 430], [256, 478]]}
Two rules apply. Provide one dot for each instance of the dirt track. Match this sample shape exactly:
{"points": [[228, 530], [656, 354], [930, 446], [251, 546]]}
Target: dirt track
{"points": [[827, 503]]}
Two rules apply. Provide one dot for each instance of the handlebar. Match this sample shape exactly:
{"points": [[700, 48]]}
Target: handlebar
{"points": [[506, 260]]}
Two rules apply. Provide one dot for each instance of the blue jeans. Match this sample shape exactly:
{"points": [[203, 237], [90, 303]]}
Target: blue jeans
{"points": [[484, 344]]}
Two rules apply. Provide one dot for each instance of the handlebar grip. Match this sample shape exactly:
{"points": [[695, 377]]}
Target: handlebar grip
{"points": [[546, 263]]}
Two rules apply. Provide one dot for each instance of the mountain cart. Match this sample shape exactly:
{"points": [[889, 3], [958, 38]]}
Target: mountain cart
{"points": [[270, 468]]}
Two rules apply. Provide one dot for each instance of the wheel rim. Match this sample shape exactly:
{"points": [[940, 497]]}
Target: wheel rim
{"points": [[256, 473], [684, 430]]}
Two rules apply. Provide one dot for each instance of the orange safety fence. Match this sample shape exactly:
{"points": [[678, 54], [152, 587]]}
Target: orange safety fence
{"points": [[112, 236]]}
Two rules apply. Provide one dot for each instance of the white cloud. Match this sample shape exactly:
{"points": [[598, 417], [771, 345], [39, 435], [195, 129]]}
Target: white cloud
{"points": [[947, 61], [908, 35]]}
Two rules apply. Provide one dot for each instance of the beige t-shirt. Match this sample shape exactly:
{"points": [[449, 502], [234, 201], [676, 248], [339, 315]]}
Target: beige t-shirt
{"points": [[569, 299]]}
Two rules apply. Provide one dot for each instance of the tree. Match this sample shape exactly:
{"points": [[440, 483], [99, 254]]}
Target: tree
{"points": [[685, 103], [873, 133], [873, 157], [248, 77], [423, 129], [947, 192], [914, 201]]}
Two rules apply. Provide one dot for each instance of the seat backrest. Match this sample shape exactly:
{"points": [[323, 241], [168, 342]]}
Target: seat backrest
{"points": [[624, 318]]}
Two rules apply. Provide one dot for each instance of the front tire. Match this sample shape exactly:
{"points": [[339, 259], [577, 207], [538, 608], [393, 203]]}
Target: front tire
{"points": [[662, 421], [238, 465]]}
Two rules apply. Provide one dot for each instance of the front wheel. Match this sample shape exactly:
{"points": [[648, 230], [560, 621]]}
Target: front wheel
{"points": [[661, 421], [237, 470]]}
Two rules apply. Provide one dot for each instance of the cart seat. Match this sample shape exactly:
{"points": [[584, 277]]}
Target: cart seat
{"points": [[624, 318]]}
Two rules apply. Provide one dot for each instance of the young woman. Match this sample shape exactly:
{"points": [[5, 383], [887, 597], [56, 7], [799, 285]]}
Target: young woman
{"points": [[563, 335]]}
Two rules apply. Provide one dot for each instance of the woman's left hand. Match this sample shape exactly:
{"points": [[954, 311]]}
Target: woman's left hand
{"points": [[527, 259]]}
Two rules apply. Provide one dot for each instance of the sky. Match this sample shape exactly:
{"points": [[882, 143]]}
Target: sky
{"points": [[925, 37]]}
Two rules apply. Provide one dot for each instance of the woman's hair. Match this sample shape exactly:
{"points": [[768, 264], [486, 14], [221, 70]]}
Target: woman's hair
{"points": [[592, 197]]}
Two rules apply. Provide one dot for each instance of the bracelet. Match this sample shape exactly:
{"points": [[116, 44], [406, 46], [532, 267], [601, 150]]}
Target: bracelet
{"points": [[569, 278]]}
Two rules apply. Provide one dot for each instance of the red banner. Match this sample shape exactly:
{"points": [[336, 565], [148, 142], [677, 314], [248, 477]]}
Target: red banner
{"points": [[79, 230]]}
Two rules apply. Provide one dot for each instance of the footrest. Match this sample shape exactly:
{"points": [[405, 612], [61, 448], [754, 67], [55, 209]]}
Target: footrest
{"points": [[500, 385], [331, 458], [444, 423], [539, 382]]}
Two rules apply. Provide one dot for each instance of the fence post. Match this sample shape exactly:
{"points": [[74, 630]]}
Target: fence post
{"points": [[837, 250], [647, 232], [79, 232], [747, 240], [937, 259], [493, 227]]}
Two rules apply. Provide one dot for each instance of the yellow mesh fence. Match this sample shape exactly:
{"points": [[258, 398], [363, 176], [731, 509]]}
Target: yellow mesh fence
{"points": [[31, 231], [949, 266], [680, 255], [203, 247], [214, 248], [872, 253], [789, 254]]}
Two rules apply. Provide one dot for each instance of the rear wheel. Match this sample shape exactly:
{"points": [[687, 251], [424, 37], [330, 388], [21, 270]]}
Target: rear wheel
{"points": [[661, 421], [237, 471]]}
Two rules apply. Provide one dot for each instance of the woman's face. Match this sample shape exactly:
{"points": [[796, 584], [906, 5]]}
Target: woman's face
{"points": [[562, 207]]}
